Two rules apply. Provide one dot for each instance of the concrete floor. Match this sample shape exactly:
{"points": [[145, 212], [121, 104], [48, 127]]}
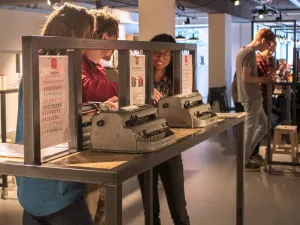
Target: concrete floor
{"points": [[210, 192]]}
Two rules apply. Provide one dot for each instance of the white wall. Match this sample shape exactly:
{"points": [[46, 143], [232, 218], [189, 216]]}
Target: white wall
{"points": [[14, 25], [241, 37], [155, 17]]}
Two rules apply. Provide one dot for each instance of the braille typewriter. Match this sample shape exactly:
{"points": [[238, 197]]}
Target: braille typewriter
{"points": [[88, 111], [131, 129], [186, 111]]}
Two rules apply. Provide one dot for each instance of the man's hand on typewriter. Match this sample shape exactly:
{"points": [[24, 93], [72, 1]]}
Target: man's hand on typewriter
{"points": [[112, 105], [156, 95], [113, 99]]}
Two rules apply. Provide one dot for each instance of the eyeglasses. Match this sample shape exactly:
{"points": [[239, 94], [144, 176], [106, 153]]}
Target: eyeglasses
{"points": [[165, 55]]}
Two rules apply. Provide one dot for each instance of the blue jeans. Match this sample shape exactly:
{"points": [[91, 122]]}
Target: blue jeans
{"points": [[77, 213], [256, 126]]}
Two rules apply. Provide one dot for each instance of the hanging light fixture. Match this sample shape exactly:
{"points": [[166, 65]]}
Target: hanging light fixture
{"points": [[180, 36], [193, 38]]}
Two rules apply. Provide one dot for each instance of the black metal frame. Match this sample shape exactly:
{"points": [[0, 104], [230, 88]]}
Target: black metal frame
{"points": [[113, 178]]}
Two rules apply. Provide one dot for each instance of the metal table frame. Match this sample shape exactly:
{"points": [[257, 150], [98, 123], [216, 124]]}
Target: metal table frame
{"points": [[33, 166], [113, 178]]}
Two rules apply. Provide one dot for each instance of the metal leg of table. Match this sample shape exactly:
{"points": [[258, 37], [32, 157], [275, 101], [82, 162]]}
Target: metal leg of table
{"points": [[148, 189], [269, 115], [4, 181], [288, 105], [3, 118], [240, 174], [113, 204]]}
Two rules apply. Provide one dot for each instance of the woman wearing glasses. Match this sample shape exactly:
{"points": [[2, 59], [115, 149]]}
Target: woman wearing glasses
{"points": [[171, 171]]}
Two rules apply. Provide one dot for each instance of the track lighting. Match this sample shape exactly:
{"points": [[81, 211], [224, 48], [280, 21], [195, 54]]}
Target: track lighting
{"points": [[187, 21]]}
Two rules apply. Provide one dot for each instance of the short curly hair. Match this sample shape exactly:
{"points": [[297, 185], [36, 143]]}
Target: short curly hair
{"points": [[106, 22], [265, 33]]}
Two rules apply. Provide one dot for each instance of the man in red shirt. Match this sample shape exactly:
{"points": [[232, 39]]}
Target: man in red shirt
{"points": [[96, 87]]}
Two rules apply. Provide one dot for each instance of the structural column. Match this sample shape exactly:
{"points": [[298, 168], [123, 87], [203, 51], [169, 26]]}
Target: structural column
{"points": [[156, 17], [220, 46]]}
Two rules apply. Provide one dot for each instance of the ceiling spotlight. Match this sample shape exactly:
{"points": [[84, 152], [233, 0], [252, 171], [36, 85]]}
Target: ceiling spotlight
{"points": [[261, 15], [236, 2], [187, 21], [52, 2]]}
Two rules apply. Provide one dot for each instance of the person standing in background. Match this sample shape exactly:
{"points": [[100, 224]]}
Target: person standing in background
{"points": [[249, 93], [265, 62]]}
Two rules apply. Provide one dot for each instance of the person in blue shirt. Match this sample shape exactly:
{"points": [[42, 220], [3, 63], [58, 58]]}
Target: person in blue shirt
{"points": [[52, 202]]}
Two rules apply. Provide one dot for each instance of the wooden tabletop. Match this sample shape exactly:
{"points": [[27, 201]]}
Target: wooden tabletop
{"points": [[86, 158]]}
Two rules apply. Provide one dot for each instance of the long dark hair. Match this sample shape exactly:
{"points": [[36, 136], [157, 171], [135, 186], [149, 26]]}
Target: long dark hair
{"points": [[166, 38]]}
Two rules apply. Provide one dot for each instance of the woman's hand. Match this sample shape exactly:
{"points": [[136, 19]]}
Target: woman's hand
{"points": [[156, 95]]}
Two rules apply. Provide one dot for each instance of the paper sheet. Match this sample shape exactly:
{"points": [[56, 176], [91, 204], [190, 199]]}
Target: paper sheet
{"points": [[54, 100], [137, 80], [187, 74]]}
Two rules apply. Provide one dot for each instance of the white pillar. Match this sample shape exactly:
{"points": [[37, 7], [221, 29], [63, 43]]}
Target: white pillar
{"points": [[220, 51], [156, 17]]}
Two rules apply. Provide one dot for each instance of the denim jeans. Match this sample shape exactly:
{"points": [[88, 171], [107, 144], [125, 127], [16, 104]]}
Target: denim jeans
{"points": [[239, 108], [171, 174], [255, 126], [77, 213]]}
